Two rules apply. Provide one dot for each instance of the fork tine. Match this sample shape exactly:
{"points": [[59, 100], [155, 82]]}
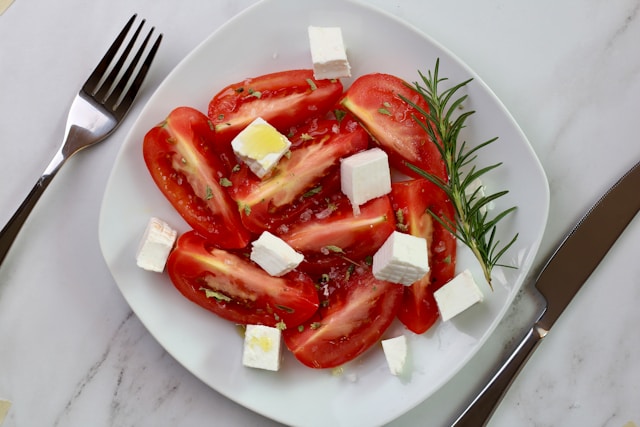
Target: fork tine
{"points": [[92, 82], [122, 106], [105, 88]]}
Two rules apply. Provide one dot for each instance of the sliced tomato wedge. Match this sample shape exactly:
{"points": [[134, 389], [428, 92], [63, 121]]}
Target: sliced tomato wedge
{"points": [[411, 200], [235, 288], [339, 231], [178, 155], [374, 100], [356, 310], [277, 199], [284, 99]]}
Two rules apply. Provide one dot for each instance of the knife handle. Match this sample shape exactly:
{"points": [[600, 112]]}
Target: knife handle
{"points": [[484, 404]]}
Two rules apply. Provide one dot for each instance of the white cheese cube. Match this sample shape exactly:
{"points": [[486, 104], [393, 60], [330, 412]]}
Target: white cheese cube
{"points": [[457, 295], [395, 351], [328, 53], [365, 176], [262, 347], [155, 245], [260, 146], [402, 258], [274, 255]]}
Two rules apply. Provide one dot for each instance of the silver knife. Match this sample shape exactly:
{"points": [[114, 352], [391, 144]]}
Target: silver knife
{"points": [[561, 278]]}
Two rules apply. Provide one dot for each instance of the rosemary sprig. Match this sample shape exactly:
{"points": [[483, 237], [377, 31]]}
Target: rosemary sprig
{"points": [[471, 224]]}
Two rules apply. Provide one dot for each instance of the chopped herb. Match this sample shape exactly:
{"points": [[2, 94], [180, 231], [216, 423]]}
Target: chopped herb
{"points": [[240, 90], [285, 308], [339, 114], [324, 303], [312, 192], [236, 168], [447, 260], [312, 84], [384, 111], [209, 293], [369, 260], [400, 224], [315, 325], [221, 117], [325, 278], [255, 93], [333, 248], [209, 194], [247, 210], [225, 182], [350, 271], [300, 328], [306, 137], [281, 325]]}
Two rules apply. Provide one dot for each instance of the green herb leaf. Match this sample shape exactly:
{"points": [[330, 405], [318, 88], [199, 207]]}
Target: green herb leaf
{"points": [[312, 84], [443, 125], [225, 182], [210, 293]]}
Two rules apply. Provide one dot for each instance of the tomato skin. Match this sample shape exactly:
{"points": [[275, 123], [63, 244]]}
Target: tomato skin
{"points": [[284, 99], [178, 154], [280, 197], [419, 310], [357, 310], [254, 297], [373, 99]]}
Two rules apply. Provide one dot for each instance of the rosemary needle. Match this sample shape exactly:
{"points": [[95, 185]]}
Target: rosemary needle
{"points": [[471, 224]]}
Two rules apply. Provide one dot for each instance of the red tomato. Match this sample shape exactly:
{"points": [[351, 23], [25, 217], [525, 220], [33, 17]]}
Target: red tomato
{"points": [[374, 100], [277, 199], [235, 288], [339, 231], [284, 99], [410, 200], [356, 310], [178, 155]]}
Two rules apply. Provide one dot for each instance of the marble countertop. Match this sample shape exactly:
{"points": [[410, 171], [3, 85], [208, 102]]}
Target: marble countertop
{"points": [[72, 353]]}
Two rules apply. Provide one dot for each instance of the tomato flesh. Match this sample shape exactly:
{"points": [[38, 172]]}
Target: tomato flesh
{"points": [[411, 200], [318, 148], [284, 99], [356, 310], [235, 288], [340, 231], [178, 155], [374, 100]]}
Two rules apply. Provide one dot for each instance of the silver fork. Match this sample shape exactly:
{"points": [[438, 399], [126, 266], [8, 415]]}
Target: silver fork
{"points": [[98, 108]]}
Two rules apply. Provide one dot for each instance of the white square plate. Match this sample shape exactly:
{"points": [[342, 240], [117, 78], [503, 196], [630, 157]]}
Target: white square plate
{"points": [[272, 36]]}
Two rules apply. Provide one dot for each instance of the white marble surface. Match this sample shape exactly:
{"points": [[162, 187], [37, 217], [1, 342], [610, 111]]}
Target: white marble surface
{"points": [[73, 354]]}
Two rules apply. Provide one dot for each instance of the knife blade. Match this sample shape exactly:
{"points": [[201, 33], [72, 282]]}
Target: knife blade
{"points": [[563, 275]]}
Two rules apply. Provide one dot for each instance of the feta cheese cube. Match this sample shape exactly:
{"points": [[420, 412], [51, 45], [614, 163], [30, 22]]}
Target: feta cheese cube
{"points": [[260, 146], [155, 245], [365, 176], [476, 189], [328, 53], [274, 255], [395, 351], [457, 295], [262, 347], [402, 258]]}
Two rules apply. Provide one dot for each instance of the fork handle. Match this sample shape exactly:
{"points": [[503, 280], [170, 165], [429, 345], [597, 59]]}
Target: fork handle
{"points": [[12, 228], [484, 404]]}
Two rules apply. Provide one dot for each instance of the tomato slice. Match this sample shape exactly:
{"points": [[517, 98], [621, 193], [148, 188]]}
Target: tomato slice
{"points": [[178, 155], [235, 288], [278, 198], [410, 200], [283, 99], [356, 310], [339, 231], [374, 100]]}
